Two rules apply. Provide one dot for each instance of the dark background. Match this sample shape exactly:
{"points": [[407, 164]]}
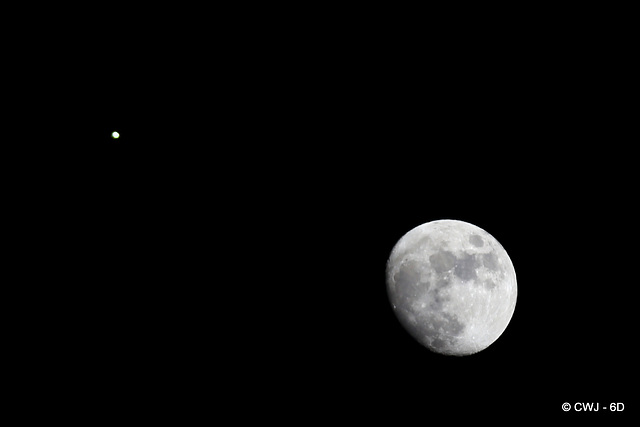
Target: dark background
{"points": [[266, 167]]}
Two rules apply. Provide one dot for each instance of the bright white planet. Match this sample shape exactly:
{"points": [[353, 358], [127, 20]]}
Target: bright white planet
{"points": [[452, 286], [115, 135]]}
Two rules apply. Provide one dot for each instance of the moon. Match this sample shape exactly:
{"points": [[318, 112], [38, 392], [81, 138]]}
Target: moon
{"points": [[452, 286]]}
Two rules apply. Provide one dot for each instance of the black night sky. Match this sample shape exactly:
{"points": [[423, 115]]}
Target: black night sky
{"points": [[241, 223]]}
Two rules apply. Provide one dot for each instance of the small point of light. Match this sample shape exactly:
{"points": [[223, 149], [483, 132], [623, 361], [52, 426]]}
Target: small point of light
{"points": [[115, 135]]}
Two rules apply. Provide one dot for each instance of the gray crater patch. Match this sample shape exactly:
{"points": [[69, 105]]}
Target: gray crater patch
{"points": [[407, 277], [437, 300], [476, 241], [442, 261], [466, 267], [442, 283], [445, 331], [422, 242], [451, 325], [408, 286], [440, 344], [490, 261], [489, 284]]}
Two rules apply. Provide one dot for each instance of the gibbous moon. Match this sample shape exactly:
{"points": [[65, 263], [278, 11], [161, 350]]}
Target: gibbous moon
{"points": [[452, 286]]}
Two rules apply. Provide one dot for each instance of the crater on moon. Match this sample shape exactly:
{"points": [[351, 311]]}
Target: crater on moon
{"points": [[476, 240], [490, 261], [489, 284], [452, 286], [447, 329], [407, 278], [437, 300], [466, 267], [442, 261]]}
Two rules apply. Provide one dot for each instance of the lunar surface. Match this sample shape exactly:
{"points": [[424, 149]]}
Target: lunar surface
{"points": [[452, 286]]}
